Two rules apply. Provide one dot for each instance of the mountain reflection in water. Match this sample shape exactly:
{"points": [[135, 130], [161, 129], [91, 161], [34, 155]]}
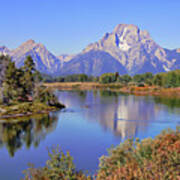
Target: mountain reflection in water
{"points": [[124, 115]]}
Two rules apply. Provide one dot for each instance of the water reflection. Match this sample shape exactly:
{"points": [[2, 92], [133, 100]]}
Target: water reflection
{"points": [[124, 115], [92, 122], [173, 103], [29, 132]]}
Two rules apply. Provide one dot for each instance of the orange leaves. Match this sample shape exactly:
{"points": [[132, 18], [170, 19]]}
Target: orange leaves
{"points": [[150, 159]]}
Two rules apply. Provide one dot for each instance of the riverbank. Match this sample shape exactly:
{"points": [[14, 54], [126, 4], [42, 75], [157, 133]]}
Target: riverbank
{"points": [[118, 87], [26, 109]]}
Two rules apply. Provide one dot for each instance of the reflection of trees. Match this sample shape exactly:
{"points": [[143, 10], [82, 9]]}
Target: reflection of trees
{"points": [[105, 93], [125, 115], [172, 103], [82, 93], [28, 132]]}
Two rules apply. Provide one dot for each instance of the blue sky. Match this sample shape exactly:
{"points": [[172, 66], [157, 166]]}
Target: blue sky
{"points": [[68, 26]]}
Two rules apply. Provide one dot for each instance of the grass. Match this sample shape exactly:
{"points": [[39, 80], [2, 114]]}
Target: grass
{"points": [[25, 108]]}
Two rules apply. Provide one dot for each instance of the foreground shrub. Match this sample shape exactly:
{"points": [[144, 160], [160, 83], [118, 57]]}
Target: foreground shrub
{"points": [[59, 167], [157, 159]]}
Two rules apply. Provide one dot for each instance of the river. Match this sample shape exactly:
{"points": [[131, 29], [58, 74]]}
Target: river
{"points": [[92, 122]]}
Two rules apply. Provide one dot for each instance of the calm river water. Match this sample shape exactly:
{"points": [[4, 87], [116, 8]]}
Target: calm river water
{"points": [[92, 122]]}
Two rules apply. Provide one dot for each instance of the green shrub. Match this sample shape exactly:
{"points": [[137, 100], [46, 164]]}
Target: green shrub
{"points": [[60, 166]]}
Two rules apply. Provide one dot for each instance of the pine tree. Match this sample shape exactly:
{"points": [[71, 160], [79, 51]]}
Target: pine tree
{"points": [[158, 80], [4, 61], [28, 80], [172, 79], [10, 83]]}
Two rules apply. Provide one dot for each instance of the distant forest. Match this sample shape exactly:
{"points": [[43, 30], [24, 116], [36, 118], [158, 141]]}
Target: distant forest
{"points": [[165, 79]]}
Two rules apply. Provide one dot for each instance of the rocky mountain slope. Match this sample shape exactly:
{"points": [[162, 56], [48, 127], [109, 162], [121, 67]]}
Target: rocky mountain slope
{"points": [[126, 50], [93, 63], [44, 60], [4, 50], [136, 50]]}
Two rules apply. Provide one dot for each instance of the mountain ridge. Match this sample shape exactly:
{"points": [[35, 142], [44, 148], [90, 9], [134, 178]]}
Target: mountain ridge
{"points": [[44, 60], [132, 48]]}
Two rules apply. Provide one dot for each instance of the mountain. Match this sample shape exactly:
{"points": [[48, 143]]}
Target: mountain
{"points": [[136, 50], [127, 49], [4, 50], [66, 57], [45, 61], [93, 63]]}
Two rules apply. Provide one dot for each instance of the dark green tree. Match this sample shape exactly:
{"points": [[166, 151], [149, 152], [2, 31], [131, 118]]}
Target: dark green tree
{"points": [[28, 79], [107, 78], [4, 61], [172, 79], [82, 77], [11, 83], [125, 78], [158, 80]]}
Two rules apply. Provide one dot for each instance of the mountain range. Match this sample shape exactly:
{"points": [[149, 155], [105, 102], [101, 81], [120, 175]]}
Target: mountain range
{"points": [[127, 50]]}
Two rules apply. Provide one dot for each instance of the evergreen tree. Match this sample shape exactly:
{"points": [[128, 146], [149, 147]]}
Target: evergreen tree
{"points": [[10, 84], [172, 79], [158, 80], [125, 78], [4, 61], [107, 78], [28, 79]]}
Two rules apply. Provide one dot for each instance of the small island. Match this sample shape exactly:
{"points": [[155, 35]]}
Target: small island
{"points": [[22, 92]]}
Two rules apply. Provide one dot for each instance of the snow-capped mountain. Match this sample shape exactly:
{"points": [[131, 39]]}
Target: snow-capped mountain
{"points": [[136, 50], [125, 50]]}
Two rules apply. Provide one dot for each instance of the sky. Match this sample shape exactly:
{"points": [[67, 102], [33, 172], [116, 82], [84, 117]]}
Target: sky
{"points": [[68, 26]]}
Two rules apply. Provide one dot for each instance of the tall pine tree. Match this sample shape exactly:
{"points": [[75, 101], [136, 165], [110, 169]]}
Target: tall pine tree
{"points": [[10, 83], [28, 79]]}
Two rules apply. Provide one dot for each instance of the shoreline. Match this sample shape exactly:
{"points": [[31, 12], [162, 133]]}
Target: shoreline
{"points": [[15, 111], [116, 87], [26, 114]]}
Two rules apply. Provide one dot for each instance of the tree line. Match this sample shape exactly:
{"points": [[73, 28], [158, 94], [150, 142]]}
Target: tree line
{"points": [[166, 79]]}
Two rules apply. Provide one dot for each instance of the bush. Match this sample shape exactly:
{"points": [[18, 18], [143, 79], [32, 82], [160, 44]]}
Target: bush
{"points": [[149, 159], [60, 166]]}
